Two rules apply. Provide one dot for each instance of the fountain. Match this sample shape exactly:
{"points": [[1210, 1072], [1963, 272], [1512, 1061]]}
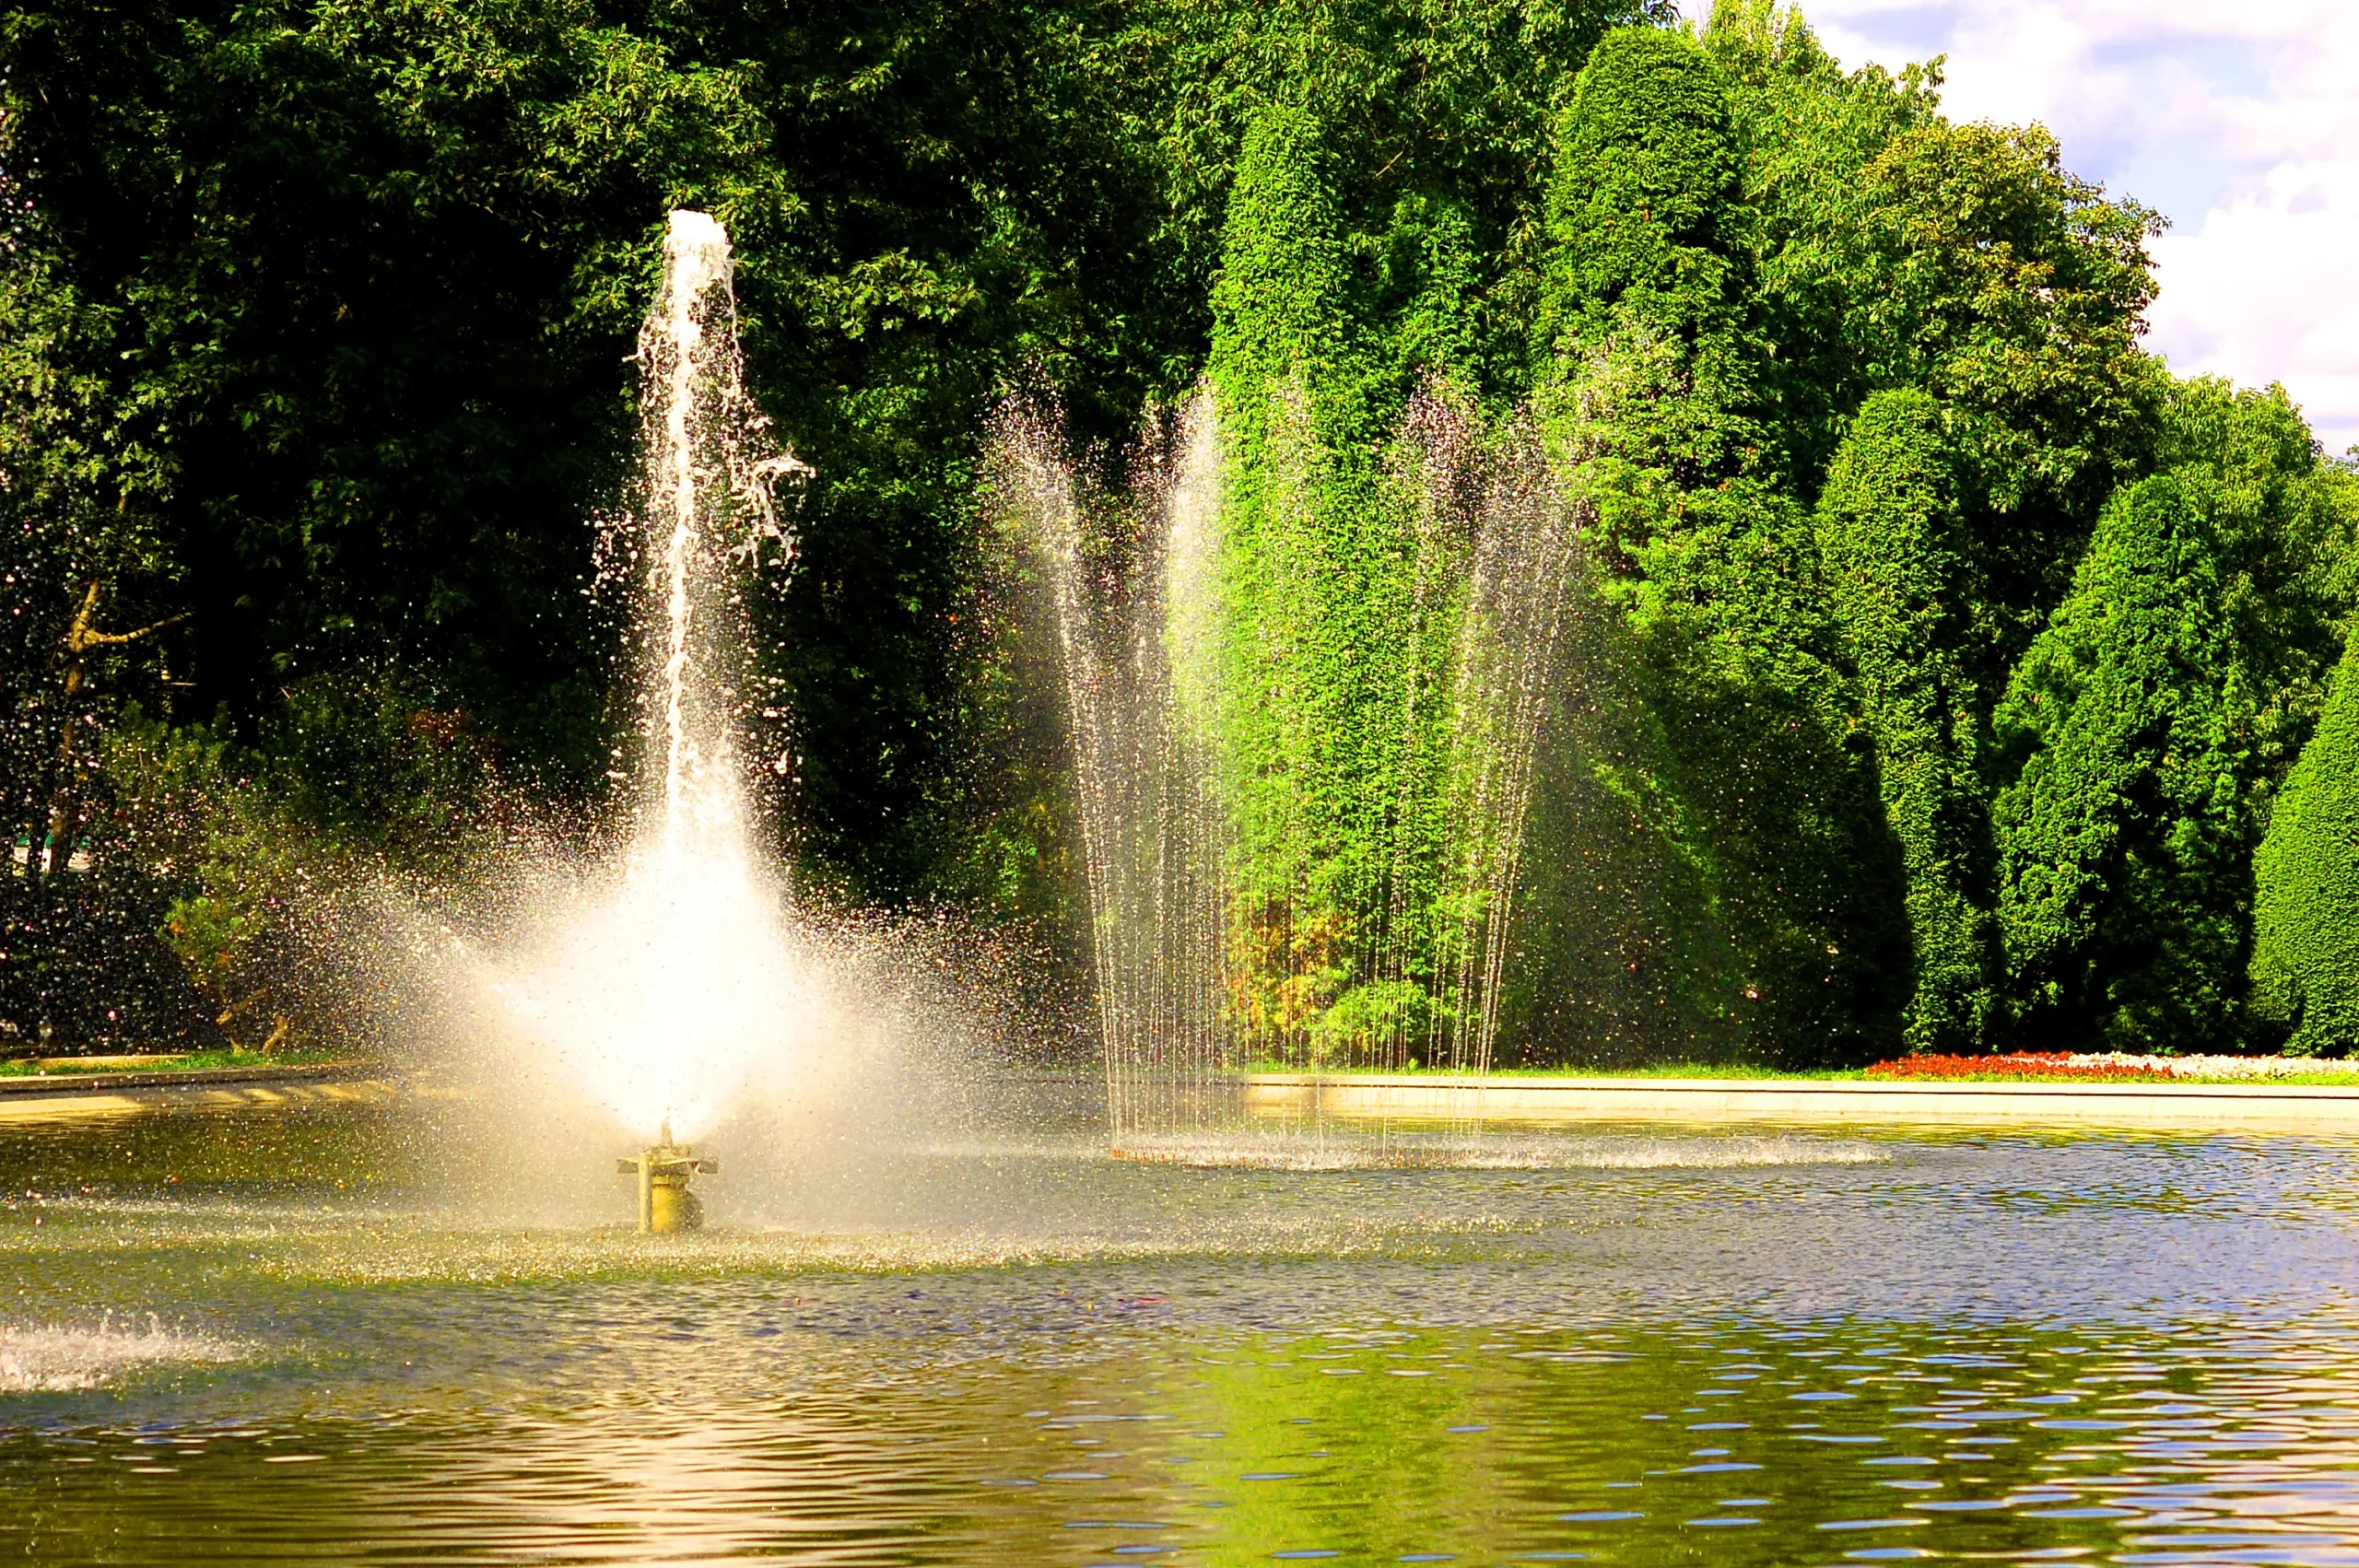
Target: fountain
{"points": [[997, 1316], [1135, 592], [664, 1169], [279, 1331], [669, 989]]}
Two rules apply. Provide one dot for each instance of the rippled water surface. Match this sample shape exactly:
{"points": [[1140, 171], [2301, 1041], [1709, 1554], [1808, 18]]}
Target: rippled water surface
{"points": [[296, 1339]]}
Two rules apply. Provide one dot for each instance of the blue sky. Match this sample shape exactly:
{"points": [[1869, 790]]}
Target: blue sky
{"points": [[2237, 119]]}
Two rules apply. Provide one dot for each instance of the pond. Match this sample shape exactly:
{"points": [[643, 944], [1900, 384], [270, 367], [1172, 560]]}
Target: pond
{"points": [[289, 1337]]}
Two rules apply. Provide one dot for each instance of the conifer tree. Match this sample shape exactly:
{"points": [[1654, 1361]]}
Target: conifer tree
{"points": [[1889, 535], [2305, 906], [2123, 838]]}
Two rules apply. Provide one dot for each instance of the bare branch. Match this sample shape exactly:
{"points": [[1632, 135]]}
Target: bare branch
{"points": [[90, 640]]}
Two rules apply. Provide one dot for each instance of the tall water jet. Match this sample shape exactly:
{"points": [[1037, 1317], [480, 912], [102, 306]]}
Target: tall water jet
{"points": [[708, 506], [1138, 593], [1510, 653], [1125, 577], [666, 997]]}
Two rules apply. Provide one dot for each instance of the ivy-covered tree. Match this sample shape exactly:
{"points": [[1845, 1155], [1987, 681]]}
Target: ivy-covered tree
{"points": [[1334, 624], [1643, 288]]}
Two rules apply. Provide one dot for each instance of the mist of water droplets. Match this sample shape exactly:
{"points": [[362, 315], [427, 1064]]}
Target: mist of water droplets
{"points": [[1129, 580]]}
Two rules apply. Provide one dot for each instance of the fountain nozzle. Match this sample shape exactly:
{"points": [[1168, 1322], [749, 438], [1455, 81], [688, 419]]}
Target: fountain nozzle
{"points": [[664, 1169]]}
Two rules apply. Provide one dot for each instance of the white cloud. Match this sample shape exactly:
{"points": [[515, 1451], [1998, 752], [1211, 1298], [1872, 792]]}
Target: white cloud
{"points": [[2239, 121]]}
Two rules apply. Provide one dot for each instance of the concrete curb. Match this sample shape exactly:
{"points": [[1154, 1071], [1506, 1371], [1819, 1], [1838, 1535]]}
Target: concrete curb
{"points": [[56, 1094], [2189, 1105]]}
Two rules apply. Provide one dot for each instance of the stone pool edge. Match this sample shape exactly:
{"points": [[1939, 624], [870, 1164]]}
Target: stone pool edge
{"points": [[50, 1095], [2167, 1106]]}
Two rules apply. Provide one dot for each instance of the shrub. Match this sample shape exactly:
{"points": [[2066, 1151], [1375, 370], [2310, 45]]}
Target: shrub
{"points": [[2305, 909]]}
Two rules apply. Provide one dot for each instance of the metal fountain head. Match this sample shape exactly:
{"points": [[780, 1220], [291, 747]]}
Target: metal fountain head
{"points": [[664, 1169]]}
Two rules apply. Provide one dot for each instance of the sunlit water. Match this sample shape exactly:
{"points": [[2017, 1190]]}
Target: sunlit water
{"points": [[1000, 1347]]}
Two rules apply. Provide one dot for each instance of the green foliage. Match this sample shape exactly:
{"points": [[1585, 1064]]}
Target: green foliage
{"points": [[225, 856], [1899, 248], [1367, 1021], [1648, 379], [2305, 913], [314, 318], [1278, 302], [2149, 727], [1893, 249], [1331, 625], [363, 280], [1437, 117], [2286, 522], [2122, 840], [1890, 536], [1758, 740], [250, 848], [1644, 284]]}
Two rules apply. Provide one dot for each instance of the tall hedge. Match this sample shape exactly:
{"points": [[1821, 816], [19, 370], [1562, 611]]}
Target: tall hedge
{"points": [[2306, 905], [1646, 381], [1890, 536], [2124, 838]]}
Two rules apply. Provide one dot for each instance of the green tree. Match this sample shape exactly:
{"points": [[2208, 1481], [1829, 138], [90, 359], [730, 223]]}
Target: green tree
{"points": [[1893, 249], [1649, 381], [2285, 519], [1890, 535], [2123, 841], [2156, 718], [2305, 914]]}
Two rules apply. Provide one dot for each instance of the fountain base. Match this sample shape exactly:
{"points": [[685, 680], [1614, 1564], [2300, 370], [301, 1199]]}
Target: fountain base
{"points": [[664, 1170]]}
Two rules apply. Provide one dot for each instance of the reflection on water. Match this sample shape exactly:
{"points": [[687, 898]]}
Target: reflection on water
{"points": [[1288, 1146], [1632, 1347]]}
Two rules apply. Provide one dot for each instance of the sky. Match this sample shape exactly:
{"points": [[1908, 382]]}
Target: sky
{"points": [[2238, 119]]}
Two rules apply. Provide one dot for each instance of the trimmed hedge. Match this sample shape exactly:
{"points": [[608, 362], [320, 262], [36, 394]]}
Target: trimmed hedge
{"points": [[1889, 535], [2305, 909]]}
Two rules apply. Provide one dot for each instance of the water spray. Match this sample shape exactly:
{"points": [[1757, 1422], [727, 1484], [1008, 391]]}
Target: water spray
{"points": [[684, 986], [664, 1169]]}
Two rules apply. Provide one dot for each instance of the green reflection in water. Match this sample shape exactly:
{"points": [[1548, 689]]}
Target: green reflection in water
{"points": [[1995, 1349]]}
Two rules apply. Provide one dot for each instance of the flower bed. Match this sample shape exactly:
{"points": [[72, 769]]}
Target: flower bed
{"points": [[2021, 1065]]}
